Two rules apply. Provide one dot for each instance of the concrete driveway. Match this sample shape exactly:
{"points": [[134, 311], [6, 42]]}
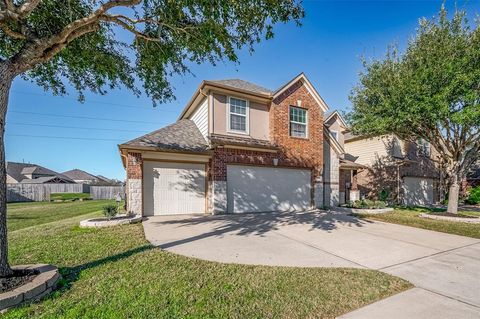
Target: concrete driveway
{"points": [[444, 268]]}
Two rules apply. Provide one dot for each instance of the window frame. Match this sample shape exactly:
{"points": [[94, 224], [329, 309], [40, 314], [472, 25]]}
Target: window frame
{"points": [[424, 148], [246, 115], [334, 134], [290, 122]]}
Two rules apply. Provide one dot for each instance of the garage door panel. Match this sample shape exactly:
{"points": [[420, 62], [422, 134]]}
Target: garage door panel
{"points": [[264, 189], [174, 188], [418, 191]]}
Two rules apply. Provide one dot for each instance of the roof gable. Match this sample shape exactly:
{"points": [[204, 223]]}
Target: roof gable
{"points": [[310, 88], [337, 116]]}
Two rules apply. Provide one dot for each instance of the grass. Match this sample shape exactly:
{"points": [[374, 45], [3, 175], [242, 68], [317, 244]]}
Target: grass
{"points": [[69, 196], [22, 215], [410, 217], [115, 273]]}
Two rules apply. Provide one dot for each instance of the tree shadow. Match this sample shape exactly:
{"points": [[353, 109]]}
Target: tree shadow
{"points": [[72, 274], [253, 224]]}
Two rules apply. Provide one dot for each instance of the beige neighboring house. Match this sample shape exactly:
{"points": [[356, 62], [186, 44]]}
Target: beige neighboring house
{"points": [[238, 147], [408, 172]]}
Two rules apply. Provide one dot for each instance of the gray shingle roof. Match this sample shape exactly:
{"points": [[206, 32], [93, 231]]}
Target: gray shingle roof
{"points": [[243, 85], [182, 135], [78, 174], [18, 171], [218, 139]]}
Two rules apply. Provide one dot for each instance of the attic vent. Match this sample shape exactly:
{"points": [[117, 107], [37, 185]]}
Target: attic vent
{"points": [[299, 102]]}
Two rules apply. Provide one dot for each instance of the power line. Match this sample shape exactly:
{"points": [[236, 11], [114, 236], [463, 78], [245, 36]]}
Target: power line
{"points": [[77, 127], [102, 102], [67, 137], [86, 117]]}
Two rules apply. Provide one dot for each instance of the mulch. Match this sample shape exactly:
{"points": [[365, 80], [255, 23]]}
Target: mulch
{"points": [[18, 278]]}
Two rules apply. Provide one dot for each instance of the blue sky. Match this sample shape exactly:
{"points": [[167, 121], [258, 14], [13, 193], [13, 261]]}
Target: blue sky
{"points": [[328, 48]]}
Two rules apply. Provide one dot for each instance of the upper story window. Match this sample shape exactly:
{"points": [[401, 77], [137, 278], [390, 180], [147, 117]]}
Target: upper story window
{"points": [[334, 135], [298, 122], [238, 115], [423, 147]]}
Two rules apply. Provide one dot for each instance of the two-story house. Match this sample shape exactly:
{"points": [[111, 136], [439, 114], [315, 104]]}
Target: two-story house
{"points": [[407, 172], [237, 147]]}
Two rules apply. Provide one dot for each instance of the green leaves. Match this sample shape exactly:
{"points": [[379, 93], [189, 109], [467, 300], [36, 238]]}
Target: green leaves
{"points": [[431, 91], [148, 42]]}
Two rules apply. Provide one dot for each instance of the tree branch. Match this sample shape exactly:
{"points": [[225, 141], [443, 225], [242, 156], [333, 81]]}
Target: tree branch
{"points": [[117, 19], [13, 34]]}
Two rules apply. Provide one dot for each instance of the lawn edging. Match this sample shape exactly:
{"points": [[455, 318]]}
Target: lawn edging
{"points": [[100, 222], [42, 284], [369, 211], [452, 219]]}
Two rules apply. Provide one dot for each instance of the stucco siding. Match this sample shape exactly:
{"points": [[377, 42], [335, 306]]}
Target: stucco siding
{"points": [[200, 117], [258, 118]]}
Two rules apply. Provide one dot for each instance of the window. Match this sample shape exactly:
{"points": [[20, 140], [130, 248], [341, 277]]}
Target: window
{"points": [[298, 122], [334, 135], [238, 115], [423, 147]]}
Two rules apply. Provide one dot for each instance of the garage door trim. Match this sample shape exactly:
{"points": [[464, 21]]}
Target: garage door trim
{"points": [[200, 162]]}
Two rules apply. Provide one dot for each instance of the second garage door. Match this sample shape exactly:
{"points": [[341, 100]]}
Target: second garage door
{"points": [[173, 188], [266, 189], [417, 191]]}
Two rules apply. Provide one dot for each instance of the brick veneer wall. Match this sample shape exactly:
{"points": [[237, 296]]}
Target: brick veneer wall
{"points": [[134, 165], [303, 152], [134, 187], [294, 152]]}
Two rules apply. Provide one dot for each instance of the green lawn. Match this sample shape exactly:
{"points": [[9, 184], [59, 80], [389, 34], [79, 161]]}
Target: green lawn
{"points": [[22, 215], [115, 273], [410, 217], [69, 196]]}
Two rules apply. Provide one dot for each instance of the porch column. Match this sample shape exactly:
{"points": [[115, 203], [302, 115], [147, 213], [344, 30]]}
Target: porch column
{"points": [[217, 185], [354, 192], [134, 187]]}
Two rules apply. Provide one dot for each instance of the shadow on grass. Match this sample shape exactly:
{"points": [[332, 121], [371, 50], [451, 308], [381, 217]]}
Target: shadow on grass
{"points": [[72, 274]]}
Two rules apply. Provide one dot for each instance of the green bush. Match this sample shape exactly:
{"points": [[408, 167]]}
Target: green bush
{"points": [[110, 211], [367, 204], [384, 194], [474, 196]]}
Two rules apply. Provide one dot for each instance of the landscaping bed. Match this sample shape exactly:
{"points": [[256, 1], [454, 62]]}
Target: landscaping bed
{"points": [[411, 217], [112, 221], [451, 217], [114, 273], [18, 278]]}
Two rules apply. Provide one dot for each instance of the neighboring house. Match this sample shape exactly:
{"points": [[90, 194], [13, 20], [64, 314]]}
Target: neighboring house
{"points": [[238, 147], [407, 172], [26, 173], [81, 177]]}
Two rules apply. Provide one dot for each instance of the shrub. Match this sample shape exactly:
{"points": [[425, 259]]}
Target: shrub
{"points": [[367, 203], [384, 194], [110, 211], [474, 196]]}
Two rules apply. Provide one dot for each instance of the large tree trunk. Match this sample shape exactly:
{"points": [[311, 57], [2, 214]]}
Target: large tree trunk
{"points": [[6, 78], [453, 194]]}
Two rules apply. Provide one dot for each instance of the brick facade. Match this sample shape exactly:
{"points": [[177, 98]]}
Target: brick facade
{"points": [[299, 152], [134, 165], [294, 152]]}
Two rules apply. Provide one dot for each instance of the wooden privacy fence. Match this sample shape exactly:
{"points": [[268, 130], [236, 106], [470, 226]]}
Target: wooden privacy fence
{"points": [[67, 188], [106, 192], [27, 193]]}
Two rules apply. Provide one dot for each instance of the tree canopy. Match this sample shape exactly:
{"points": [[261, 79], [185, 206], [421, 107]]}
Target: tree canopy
{"points": [[52, 42], [431, 91]]}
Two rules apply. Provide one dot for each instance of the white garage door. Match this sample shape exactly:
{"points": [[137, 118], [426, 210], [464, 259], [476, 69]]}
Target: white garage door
{"points": [[417, 191], [173, 188], [266, 189]]}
